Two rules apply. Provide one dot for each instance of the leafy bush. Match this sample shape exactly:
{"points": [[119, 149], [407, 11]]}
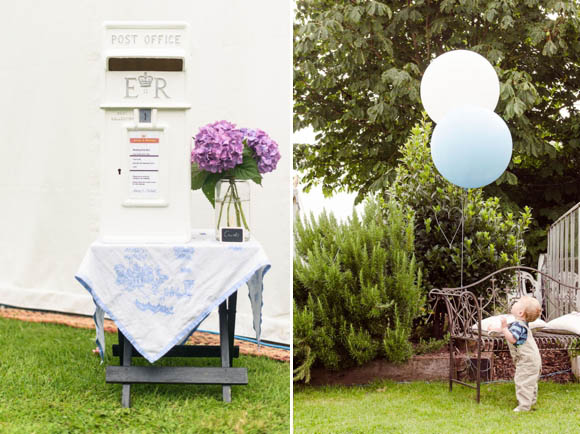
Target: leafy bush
{"points": [[493, 236], [430, 345], [396, 343], [356, 289]]}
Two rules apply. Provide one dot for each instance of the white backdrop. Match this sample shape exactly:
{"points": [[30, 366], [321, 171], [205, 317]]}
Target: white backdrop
{"points": [[51, 74]]}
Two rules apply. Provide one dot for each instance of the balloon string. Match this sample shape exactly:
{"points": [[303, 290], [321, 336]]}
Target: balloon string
{"points": [[462, 232], [450, 243]]}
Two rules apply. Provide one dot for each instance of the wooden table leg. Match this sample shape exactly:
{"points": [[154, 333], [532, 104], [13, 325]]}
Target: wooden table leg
{"points": [[126, 392], [121, 342], [225, 348], [232, 301]]}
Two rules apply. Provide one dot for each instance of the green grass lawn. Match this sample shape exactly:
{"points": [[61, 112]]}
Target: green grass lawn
{"points": [[50, 382], [419, 407]]}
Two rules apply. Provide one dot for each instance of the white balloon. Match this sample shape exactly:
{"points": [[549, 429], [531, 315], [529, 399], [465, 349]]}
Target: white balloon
{"points": [[458, 78]]}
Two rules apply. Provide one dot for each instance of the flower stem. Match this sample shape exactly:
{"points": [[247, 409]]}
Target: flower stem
{"points": [[240, 212], [229, 205], [232, 197], [222, 208], [236, 206]]}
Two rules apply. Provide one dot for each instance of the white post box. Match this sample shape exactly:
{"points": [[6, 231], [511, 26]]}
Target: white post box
{"points": [[145, 175]]}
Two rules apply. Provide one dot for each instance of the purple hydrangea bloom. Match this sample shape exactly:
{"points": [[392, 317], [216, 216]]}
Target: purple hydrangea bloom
{"points": [[218, 147], [265, 148]]}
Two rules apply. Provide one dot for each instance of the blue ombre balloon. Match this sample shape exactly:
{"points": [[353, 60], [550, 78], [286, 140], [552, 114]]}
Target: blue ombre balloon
{"points": [[471, 146]]}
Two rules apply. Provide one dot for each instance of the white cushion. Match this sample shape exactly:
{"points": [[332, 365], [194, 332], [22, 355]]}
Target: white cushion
{"points": [[537, 325], [495, 321], [568, 324]]}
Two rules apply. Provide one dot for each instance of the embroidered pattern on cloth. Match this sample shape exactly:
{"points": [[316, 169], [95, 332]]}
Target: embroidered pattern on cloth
{"points": [[141, 275]]}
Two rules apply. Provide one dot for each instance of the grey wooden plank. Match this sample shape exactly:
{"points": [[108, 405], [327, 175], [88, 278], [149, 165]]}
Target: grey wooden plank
{"points": [[225, 349], [187, 351], [176, 374]]}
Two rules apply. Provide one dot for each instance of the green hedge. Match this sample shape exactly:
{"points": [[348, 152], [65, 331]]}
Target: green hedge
{"points": [[356, 289]]}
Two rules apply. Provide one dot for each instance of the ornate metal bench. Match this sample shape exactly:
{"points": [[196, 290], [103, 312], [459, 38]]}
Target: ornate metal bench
{"points": [[469, 305]]}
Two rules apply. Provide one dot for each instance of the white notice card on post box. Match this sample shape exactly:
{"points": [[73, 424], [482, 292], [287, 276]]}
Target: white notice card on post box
{"points": [[144, 163]]}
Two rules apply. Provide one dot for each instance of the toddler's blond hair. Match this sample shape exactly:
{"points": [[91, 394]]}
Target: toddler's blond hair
{"points": [[532, 308]]}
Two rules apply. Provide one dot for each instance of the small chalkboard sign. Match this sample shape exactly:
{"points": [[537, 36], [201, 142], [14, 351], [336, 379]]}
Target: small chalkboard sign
{"points": [[232, 235]]}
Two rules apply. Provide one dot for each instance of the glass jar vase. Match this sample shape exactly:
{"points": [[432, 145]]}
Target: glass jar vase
{"points": [[232, 205]]}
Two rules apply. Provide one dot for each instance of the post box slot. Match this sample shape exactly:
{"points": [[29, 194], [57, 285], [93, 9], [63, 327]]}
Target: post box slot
{"points": [[144, 64]]}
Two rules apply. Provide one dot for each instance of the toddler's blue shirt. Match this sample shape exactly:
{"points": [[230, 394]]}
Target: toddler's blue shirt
{"points": [[519, 332]]}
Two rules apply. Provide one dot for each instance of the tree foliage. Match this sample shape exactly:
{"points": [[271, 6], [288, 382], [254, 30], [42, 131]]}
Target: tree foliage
{"points": [[356, 289], [492, 235], [358, 66]]}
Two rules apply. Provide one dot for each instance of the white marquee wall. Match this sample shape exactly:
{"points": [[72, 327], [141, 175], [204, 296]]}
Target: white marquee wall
{"points": [[51, 75]]}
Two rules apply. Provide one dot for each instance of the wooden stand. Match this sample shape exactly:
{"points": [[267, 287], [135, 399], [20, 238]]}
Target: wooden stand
{"points": [[225, 375]]}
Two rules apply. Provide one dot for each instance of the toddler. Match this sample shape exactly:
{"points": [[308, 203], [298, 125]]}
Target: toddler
{"points": [[524, 350]]}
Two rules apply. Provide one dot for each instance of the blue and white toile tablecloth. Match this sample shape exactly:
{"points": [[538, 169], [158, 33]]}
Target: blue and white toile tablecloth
{"points": [[158, 294]]}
